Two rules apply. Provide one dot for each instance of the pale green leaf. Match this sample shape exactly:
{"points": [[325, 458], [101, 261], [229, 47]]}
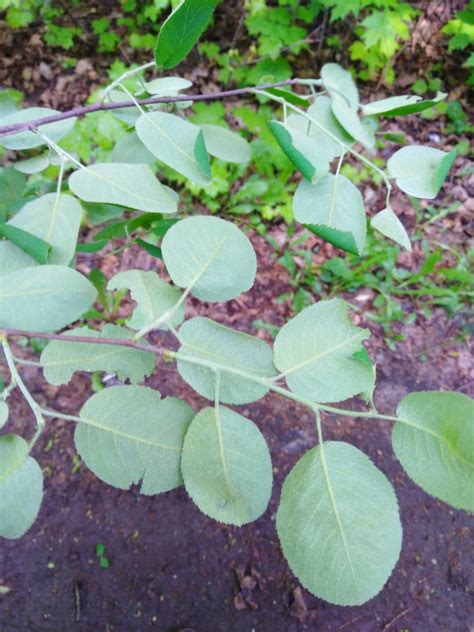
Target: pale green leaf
{"points": [[153, 296], [301, 149], [167, 86], [340, 85], [56, 220], [130, 149], [21, 487], [434, 441], [129, 185], [401, 105], [61, 359], [130, 115], [211, 256], [339, 525], [181, 31], [176, 142], [226, 466], [32, 165], [27, 139], [321, 113], [3, 413], [129, 435], [226, 145], [44, 298], [387, 223], [351, 122], [206, 340], [420, 171], [314, 353], [12, 258], [335, 203]]}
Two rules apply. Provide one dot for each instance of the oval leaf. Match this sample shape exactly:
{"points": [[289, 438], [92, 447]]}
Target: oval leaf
{"points": [[301, 149], [339, 525], [28, 140], [130, 149], [206, 340], [154, 297], [401, 105], [211, 256], [340, 85], [350, 121], [325, 121], [128, 434], [176, 142], [226, 466], [181, 31], [129, 185], [226, 145], [387, 223], [56, 220], [44, 298], [435, 444], [60, 359], [420, 171], [314, 351], [333, 203], [21, 487]]}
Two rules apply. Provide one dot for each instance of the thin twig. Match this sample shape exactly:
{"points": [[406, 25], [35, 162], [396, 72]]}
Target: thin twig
{"points": [[86, 339], [32, 125]]}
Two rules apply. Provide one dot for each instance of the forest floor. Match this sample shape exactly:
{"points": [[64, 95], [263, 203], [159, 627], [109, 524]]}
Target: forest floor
{"points": [[172, 569]]}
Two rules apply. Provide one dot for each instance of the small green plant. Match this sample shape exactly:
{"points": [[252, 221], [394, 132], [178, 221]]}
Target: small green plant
{"points": [[100, 554], [338, 519]]}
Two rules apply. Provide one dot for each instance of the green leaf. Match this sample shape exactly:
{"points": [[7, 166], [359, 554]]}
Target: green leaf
{"points": [[30, 244], [314, 353], [300, 148], [226, 466], [44, 298], [167, 86], [151, 249], [420, 171], [321, 112], [130, 149], [387, 223], [28, 140], [350, 121], [93, 246], [154, 297], [176, 142], [340, 85], [129, 185], [401, 105], [333, 204], [32, 165], [60, 359], [12, 188], [54, 219], [289, 97], [226, 145], [129, 434], [21, 487], [181, 31], [206, 340], [3, 412], [434, 441], [211, 256], [12, 258], [339, 525]]}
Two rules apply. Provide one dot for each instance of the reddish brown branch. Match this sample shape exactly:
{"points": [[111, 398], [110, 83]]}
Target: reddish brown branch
{"points": [[33, 125], [86, 339]]}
